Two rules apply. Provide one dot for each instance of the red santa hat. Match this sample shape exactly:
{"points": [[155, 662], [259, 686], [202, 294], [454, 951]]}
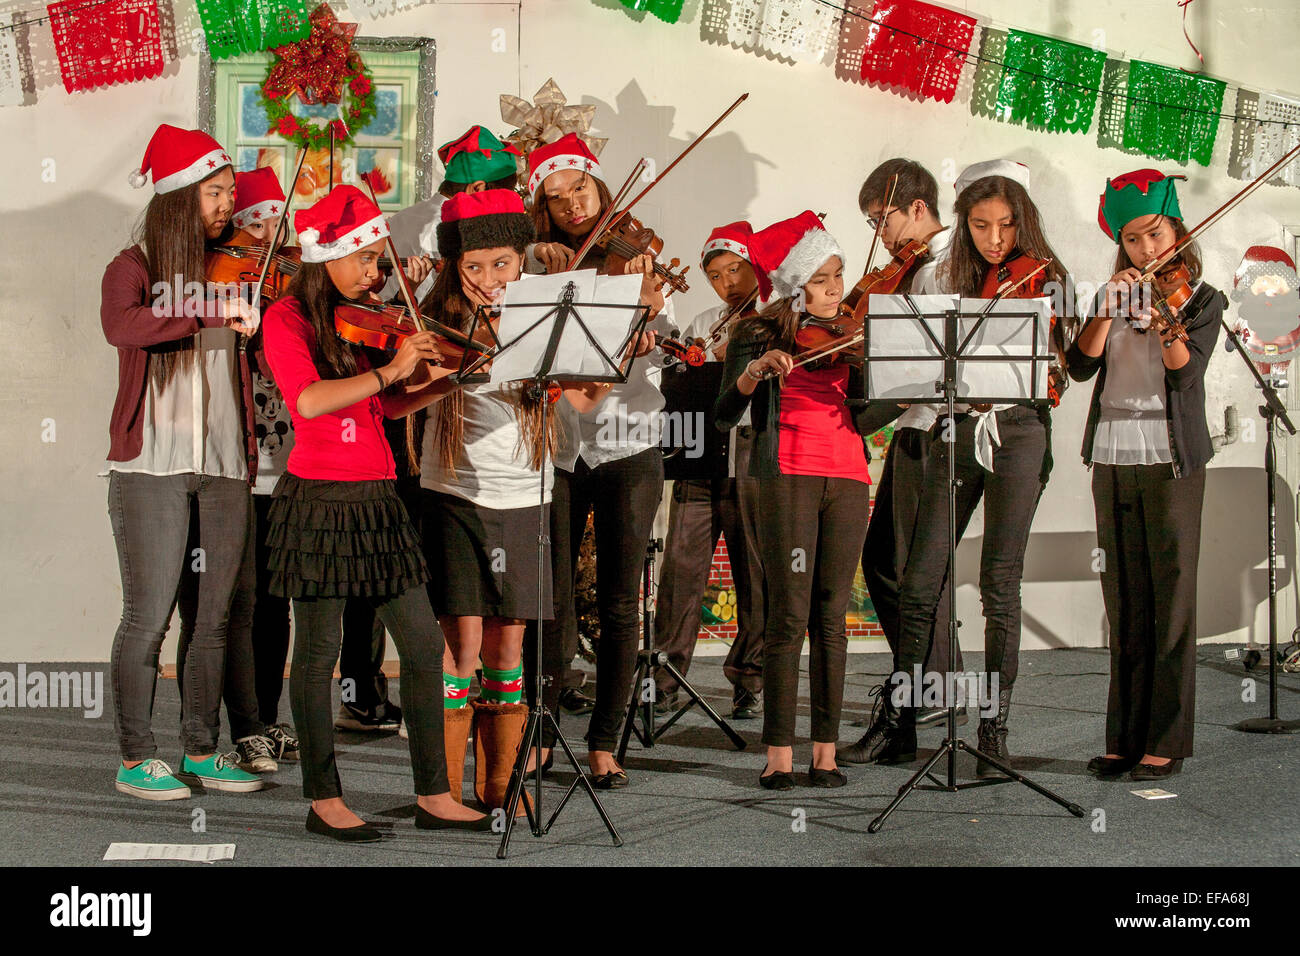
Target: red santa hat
{"points": [[491, 219], [1263, 261], [567, 152], [258, 196], [178, 158], [339, 225], [786, 254], [733, 237]]}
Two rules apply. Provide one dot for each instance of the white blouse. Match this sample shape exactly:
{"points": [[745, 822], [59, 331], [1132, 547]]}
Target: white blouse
{"points": [[1133, 427]]}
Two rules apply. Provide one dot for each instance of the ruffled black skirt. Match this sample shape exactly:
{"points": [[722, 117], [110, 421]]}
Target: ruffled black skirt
{"points": [[330, 539]]}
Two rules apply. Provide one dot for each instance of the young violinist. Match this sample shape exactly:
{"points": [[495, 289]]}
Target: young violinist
{"points": [[480, 474], [900, 199], [726, 504], [813, 488], [1147, 443], [1003, 455], [337, 528], [180, 438], [607, 460]]}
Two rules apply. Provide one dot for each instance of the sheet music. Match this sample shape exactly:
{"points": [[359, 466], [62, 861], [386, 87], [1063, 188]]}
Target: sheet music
{"points": [[193, 852], [1002, 335], [895, 331]]}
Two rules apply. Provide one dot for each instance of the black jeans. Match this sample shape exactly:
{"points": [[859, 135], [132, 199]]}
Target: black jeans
{"points": [[1149, 531], [810, 536], [1011, 494], [889, 541], [411, 621], [239, 689], [625, 496], [270, 625], [151, 522]]}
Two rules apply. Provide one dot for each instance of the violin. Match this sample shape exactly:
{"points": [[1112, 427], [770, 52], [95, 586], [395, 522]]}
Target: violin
{"points": [[379, 326], [241, 263], [1018, 277], [742, 308], [689, 352], [626, 238], [1165, 306]]}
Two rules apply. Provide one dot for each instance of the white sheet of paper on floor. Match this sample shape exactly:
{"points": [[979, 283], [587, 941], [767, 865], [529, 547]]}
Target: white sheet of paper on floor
{"points": [[1153, 794], [194, 852]]}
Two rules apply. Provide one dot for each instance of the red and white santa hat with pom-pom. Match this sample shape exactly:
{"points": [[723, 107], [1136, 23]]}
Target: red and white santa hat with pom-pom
{"points": [[258, 197], [567, 152], [178, 158], [786, 254], [340, 224]]}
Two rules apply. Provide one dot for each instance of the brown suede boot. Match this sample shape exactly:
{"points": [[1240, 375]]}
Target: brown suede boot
{"points": [[455, 736], [498, 732]]}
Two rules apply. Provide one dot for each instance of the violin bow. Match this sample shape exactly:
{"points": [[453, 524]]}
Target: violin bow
{"points": [[608, 216], [1213, 218], [1009, 287], [281, 232], [875, 239]]}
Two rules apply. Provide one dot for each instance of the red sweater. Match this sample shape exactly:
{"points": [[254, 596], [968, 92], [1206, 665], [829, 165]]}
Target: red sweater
{"points": [[135, 328], [344, 445]]}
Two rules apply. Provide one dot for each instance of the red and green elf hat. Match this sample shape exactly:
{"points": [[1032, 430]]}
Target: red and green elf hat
{"points": [[1143, 192], [477, 155]]}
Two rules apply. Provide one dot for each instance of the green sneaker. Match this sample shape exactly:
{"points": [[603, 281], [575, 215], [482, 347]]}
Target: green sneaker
{"points": [[150, 780], [221, 772]]}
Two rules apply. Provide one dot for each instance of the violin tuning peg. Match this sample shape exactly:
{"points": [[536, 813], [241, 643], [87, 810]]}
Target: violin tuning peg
{"points": [[674, 262]]}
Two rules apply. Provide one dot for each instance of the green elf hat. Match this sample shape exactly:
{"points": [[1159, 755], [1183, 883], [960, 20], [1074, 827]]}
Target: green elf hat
{"points": [[477, 155], [1143, 192]]}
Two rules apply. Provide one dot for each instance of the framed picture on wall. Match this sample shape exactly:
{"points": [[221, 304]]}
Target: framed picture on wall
{"points": [[397, 141]]}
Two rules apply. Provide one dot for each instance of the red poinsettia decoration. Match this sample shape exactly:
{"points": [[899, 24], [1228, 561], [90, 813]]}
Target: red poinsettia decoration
{"points": [[315, 68]]}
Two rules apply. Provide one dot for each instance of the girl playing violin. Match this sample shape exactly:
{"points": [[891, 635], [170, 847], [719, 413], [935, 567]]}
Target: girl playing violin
{"points": [[482, 452], [337, 528], [1147, 442], [726, 504], [607, 460], [813, 488], [180, 437], [1002, 454]]}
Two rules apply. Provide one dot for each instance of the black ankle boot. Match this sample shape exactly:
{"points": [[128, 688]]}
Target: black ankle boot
{"points": [[884, 717], [899, 745], [992, 737]]}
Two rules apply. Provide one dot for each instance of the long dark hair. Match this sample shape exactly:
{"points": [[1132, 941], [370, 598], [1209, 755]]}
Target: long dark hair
{"points": [[171, 234], [315, 291], [547, 231], [778, 322], [964, 270], [1190, 253], [448, 303]]}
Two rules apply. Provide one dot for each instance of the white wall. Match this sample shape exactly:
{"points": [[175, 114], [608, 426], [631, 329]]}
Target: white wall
{"points": [[803, 140]]}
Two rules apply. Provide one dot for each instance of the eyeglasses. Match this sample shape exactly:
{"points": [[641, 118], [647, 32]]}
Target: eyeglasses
{"points": [[875, 221]]}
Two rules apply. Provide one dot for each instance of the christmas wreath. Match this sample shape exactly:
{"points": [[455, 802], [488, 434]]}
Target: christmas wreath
{"points": [[318, 69]]}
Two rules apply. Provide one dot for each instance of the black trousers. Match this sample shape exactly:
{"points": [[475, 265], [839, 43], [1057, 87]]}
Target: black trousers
{"points": [[1149, 531], [270, 624], [889, 542], [810, 536], [1011, 493], [361, 663], [702, 510], [410, 619]]}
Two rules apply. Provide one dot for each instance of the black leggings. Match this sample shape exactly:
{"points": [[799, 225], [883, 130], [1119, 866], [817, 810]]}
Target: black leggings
{"points": [[810, 535], [410, 620]]}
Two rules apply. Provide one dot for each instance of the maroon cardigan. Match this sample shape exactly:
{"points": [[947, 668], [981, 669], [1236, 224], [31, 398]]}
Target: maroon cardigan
{"points": [[134, 327]]}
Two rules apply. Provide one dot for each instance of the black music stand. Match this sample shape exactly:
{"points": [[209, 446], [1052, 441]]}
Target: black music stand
{"points": [[956, 360], [559, 313]]}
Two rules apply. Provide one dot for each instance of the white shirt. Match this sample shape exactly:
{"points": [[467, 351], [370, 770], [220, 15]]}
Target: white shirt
{"points": [[195, 424], [415, 233], [494, 469], [1133, 426], [926, 282]]}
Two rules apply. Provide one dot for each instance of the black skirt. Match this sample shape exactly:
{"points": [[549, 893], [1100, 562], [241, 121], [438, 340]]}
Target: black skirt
{"points": [[331, 539], [484, 560]]}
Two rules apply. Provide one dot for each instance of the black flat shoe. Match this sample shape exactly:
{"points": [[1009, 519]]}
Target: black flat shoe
{"points": [[826, 778], [614, 780], [1110, 766], [424, 820], [575, 703], [777, 780], [1149, 771], [546, 766], [362, 834]]}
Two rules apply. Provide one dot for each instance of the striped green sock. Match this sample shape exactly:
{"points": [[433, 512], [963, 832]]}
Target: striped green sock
{"points": [[503, 687], [455, 691]]}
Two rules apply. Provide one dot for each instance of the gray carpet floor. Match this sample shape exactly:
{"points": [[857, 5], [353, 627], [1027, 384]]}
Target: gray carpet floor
{"points": [[695, 801]]}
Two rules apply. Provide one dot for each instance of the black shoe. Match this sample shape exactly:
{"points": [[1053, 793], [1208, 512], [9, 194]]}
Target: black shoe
{"points": [[546, 766], [887, 740], [777, 780], [575, 702], [614, 780], [925, 716], [826, 778], [384, 718], [362, 834], [1149, 771], [992, 738], [665, 702], [745, 705], [424, 820], [1111, 766]]}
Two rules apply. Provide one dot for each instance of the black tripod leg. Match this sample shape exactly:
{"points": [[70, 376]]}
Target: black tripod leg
{"points": [[695, 697], [906, 789], [586, 785], [517, 787], [643, 671], [1074, 808]]}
